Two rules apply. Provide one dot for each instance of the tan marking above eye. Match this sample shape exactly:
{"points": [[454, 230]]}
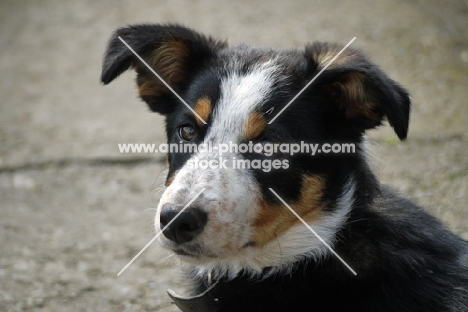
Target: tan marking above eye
{"points": [[272, 221], [203, 108], [254, 126]]}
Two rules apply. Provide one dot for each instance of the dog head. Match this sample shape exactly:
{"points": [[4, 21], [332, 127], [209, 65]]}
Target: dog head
{"points": [[235, 96]]}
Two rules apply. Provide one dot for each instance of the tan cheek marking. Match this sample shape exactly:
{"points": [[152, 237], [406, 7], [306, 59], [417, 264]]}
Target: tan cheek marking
{"points": [[272, 221], [254, 126], [168, 61], [203, 109]]}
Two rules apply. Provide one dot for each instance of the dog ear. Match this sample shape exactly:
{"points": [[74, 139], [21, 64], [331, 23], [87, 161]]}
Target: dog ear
{"points": [[361, 92], [172, 51]]}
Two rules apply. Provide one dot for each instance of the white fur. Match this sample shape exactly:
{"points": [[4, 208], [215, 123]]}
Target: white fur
{"points": [[231, 196], [240, 96], [295, 244]]}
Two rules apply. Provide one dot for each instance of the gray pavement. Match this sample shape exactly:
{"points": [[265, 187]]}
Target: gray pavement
{"points": [[73, 211]]}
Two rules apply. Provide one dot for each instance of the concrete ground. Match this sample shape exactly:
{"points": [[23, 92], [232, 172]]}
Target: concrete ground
{"points": [[73, 211]]}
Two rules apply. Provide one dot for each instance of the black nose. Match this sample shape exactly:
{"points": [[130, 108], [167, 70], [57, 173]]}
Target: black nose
{"points": [[185, 227]]}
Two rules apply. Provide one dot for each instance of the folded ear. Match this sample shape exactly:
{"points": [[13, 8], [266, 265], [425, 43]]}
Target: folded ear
{"points": [[176, 53], [361, 92]]}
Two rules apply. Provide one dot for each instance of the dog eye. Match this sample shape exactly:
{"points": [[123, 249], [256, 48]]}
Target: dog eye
{"points": [[187, 133]]}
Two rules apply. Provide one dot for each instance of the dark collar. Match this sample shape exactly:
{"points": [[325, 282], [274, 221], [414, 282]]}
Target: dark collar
{"points": [[217, 296], [207, 301]]}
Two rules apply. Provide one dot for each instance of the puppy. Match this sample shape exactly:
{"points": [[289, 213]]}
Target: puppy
{"points": [[244, 249]]}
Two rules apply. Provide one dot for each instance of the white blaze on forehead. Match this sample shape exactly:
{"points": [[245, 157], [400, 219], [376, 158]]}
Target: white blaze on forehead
{"points": [[241, 94], [230, 195]]}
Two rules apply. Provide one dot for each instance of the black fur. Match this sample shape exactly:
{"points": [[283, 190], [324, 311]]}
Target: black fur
{"points": [[144, 40], [405, 259]]}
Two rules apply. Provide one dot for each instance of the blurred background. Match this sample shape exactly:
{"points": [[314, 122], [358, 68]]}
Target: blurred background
{"points": [[73, 211]]}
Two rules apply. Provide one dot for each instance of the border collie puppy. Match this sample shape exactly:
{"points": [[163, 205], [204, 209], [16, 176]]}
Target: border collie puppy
{"points": [[244, 248]]}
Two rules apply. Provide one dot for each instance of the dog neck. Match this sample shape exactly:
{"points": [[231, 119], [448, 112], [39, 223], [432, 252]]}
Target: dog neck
{"points": [[209, 300]]}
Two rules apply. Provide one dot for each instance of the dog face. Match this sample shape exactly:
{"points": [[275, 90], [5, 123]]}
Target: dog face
{"points": [[236, 223]]}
